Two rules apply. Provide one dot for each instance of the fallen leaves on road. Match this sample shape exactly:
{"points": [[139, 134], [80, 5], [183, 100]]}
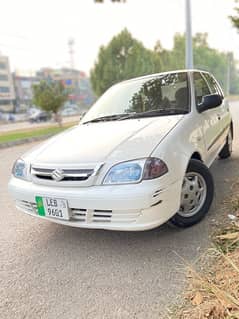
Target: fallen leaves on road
{"points": [[214, 293], [213, 290], [197, 299], [229, 236]]}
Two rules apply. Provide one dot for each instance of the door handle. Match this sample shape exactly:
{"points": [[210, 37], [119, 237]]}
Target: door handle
{"points": [[218, 117]]}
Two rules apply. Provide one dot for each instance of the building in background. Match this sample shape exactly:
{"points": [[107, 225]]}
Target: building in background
{"points": [[16, 93], [75, 81], [23, 90], [7, 94]]}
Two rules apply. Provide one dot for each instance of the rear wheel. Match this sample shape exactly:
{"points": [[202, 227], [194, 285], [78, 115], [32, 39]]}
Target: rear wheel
{"points": [[197, 195], [227, 149]]}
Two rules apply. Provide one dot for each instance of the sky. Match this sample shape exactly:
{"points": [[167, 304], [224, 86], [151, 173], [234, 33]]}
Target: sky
{"points": [[35, 33]]}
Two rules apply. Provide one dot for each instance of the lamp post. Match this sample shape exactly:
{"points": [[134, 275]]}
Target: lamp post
{"points": [[189, 42], [228, 79]]}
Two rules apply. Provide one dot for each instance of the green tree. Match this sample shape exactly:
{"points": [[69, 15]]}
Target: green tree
{"points": [[123, 58], [205, 58], [165, 57], [50, 96], [235, 19]]}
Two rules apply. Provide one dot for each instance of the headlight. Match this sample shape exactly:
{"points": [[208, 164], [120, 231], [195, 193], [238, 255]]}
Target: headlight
{"points": [[20, 169], [135, 171], [125, 173]]}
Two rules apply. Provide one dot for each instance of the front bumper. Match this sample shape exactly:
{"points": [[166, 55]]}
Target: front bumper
{"points": [[125, 207]]}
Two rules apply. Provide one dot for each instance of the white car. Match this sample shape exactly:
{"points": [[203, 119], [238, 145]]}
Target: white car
{"points": [[139, 157]]}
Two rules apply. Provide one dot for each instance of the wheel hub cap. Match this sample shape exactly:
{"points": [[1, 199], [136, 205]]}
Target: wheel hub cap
{"points": [[194, 191]]}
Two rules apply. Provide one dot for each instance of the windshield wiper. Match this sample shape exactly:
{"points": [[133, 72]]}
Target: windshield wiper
{"points": [[156, 112], [114, 117], [134, 115]]}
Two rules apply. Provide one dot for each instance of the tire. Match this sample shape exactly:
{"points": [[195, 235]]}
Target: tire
{"points": [[198, 187], [227, 148]]}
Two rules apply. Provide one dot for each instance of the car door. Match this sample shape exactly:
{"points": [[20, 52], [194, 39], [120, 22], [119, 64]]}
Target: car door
{"points": [[223, 111], [210, 119]]}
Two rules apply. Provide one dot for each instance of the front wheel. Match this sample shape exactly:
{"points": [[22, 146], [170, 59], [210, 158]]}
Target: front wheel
{"points": [[196, 196]]}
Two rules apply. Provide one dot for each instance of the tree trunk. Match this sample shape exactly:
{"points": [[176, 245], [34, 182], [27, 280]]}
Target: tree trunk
{"points": [[58, 118]]}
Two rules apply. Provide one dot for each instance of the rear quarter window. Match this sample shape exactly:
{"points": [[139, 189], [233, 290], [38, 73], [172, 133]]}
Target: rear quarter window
{"points": [[201, 87], [213, 85]]}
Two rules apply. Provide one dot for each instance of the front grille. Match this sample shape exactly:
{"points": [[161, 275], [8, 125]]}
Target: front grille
{"points": [[27, 206], [92, 216], [66, 178], [66, 174], [88, 216], [103, 216]]}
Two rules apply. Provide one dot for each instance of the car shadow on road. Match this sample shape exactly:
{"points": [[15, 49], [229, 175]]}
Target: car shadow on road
{"points": [[137, 246]]}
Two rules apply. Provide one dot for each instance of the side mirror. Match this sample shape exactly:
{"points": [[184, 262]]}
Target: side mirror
{"points": [[209, 102]]}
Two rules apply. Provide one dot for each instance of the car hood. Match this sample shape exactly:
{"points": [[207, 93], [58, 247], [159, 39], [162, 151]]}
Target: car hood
{"points": [[97, 142]]}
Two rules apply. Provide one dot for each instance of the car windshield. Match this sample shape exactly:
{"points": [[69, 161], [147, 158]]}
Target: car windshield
{"points": [[163, 94]]}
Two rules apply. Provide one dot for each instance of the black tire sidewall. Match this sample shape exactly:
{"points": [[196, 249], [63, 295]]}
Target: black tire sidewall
{"points": [[225, 152], [198, 167]]}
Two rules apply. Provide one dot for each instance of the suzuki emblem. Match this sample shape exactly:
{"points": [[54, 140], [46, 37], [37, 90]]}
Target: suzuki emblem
{"points": [[57, 175]]}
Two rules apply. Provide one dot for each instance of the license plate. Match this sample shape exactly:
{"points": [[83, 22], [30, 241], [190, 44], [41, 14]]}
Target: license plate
{"points": [[52, 207]]}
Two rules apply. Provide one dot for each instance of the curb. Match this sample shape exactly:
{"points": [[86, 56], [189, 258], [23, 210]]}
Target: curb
{"points": [[25, 141]]}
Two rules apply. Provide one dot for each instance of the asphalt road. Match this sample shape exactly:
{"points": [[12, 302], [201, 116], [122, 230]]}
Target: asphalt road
{"points": [[51, 271]]}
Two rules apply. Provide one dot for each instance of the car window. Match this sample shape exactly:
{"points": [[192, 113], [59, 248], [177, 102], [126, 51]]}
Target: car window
{"points": [[200, 86], [211, 83], [168, 91], [164, 91], [214, 87]]}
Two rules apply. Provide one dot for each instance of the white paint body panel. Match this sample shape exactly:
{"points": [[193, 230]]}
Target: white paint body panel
{"points": [[141, 206]]}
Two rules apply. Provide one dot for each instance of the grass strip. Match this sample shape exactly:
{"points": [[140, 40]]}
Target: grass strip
{"points": [[16, 136]]}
